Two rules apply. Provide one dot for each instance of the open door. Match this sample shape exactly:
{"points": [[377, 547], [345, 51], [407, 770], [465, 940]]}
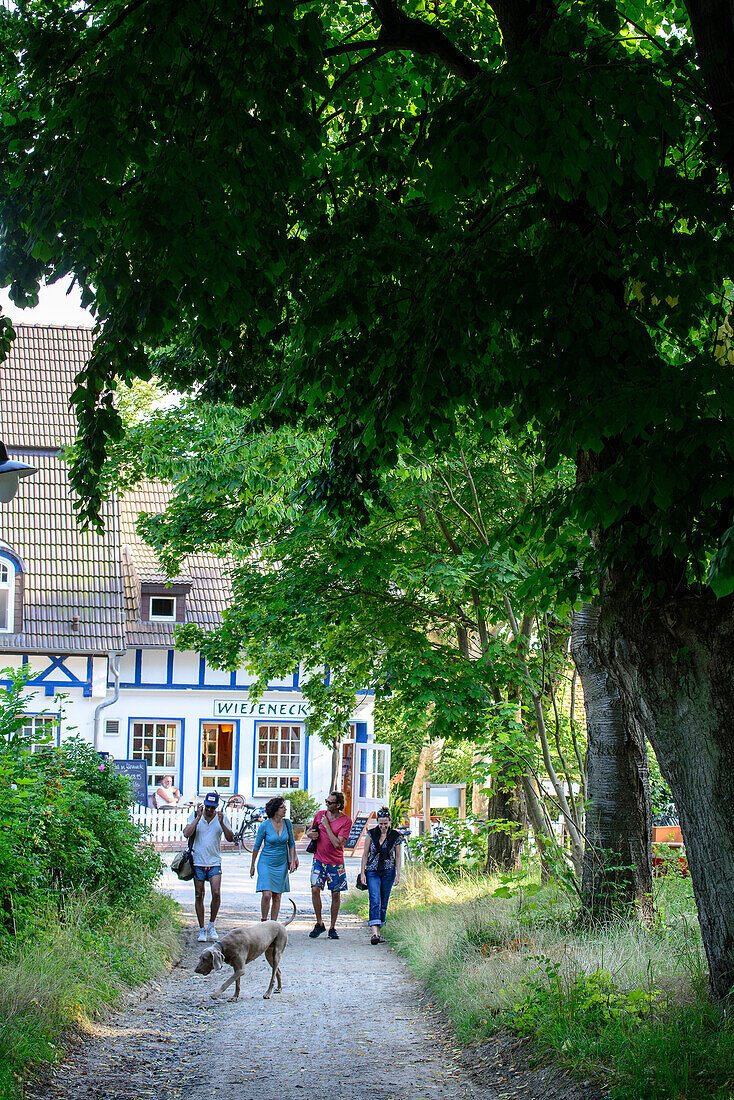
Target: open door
{"points": [[373, 788], [217, 757], [347, 775]]}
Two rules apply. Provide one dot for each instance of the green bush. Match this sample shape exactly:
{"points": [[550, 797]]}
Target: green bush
{"points": [[64, 824], [452, 846], [303, 807]]}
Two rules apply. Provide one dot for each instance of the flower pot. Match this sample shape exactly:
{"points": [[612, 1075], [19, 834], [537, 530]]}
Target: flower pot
{"points": [[298, 831]]}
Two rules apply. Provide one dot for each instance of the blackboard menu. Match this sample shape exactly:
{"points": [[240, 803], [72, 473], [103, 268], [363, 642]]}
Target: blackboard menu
{"points": [[137, 773], [357, 826]]}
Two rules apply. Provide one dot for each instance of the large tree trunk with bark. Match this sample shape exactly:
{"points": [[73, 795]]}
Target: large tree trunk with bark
{"points": [[617, 873], [504, 842], [674, 664]]}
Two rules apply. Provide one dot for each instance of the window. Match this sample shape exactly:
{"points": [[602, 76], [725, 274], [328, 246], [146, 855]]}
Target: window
{"points": [[7, 596], [156, 742], [40, 729], [163, 603], [278, 758], [373, 781], [162, 609], [217, 755]]}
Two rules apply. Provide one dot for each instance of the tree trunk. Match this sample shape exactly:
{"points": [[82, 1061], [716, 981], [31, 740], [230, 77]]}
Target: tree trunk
{"points": [[617, 873], [674, 665], [504, 844], [543, 835]]}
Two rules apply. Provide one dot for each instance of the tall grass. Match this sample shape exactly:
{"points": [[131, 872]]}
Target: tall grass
{"points": [[72, 971], [625, 1002]]}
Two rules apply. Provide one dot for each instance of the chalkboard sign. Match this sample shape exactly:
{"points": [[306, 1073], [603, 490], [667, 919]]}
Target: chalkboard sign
{"points": [[357, 826], [137, 773]]}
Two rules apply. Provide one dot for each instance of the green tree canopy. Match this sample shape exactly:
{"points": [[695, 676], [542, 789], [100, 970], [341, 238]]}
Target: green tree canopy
{"points": [[381, 217]]}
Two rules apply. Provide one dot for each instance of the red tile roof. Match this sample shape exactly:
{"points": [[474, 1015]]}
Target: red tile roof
{"points": [[69, 572]]}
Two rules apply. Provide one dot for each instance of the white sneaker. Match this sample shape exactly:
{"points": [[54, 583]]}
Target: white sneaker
{"points": [[212, 932], [202, 935]]}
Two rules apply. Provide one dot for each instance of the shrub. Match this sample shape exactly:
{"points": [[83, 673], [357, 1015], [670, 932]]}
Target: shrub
{"points": [[453, 846], [303, 807], [64, 823]]}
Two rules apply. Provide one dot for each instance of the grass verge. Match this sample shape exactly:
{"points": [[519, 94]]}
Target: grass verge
{"points": [[626, 1004], [72, 971]]}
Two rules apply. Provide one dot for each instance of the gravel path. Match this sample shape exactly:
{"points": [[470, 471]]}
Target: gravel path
{"points": [[349, 1022]]}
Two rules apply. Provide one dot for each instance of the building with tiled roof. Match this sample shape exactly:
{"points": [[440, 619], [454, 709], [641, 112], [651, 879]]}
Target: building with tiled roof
{"points": [[94, 616]]}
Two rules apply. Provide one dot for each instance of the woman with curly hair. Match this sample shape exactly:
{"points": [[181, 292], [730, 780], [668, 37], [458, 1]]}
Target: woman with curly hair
{"points": [[278, 857]]}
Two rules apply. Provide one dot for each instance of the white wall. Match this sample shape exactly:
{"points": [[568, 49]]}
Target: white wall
{"points": [[188, 705]]}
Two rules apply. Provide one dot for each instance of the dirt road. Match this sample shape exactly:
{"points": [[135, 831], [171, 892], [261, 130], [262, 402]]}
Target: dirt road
{"points": [[350, 1023]]}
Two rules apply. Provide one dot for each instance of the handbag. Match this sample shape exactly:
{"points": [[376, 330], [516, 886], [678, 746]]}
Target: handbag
{"points": [[360, 882], [311, 846], [291, 841], [182, 863]]}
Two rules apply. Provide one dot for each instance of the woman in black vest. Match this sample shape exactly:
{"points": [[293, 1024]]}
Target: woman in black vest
{"points": [[380, 869]]}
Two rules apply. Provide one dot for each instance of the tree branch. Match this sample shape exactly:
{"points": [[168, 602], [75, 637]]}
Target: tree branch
{"points": [[399, 31]]}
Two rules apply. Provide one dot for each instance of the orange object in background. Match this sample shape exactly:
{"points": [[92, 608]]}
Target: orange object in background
{"points": [[672, 837]]}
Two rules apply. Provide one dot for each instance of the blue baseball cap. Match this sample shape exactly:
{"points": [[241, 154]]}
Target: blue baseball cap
{"points": [[211, 799]]}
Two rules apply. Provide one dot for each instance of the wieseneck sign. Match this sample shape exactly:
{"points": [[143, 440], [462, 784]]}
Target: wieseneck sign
{"points": [[243, 708]]}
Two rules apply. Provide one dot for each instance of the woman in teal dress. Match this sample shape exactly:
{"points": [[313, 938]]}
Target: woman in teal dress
{"points": [[278, 857]]}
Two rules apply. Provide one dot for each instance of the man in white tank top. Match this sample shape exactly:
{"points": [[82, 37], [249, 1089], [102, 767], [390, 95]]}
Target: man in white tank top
{"points": [[207, 825]]}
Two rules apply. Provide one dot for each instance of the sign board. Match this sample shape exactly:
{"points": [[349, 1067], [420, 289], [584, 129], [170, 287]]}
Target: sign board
{"points": [[243, 708], [357, 829], [445, 795], [137, 773]]}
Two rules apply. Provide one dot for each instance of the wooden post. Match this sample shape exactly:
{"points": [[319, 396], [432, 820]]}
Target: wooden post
{"points": [[462, 802], [427, 809]]}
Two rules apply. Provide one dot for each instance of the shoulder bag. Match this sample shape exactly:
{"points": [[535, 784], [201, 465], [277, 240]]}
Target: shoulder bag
{"points": [[291, 841], [182, 863], [311, 846]]}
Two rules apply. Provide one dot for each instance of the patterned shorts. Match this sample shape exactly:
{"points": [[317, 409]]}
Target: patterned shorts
{"points": [[329, 876]]}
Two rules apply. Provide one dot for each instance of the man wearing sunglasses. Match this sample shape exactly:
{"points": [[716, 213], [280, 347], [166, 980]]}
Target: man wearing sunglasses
{"points": [[331, 828]]}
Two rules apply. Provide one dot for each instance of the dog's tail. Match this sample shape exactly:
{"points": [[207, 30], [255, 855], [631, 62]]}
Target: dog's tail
{"points": [[293, 917]]}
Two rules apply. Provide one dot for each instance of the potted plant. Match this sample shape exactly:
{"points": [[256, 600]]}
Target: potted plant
{"points": [[303, 808]]}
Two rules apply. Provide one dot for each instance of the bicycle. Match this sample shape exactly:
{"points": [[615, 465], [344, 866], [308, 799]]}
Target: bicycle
{"points": [[245, 835]]}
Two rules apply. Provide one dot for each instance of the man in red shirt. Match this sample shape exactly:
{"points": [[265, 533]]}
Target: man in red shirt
{"points": [[331, 828]]}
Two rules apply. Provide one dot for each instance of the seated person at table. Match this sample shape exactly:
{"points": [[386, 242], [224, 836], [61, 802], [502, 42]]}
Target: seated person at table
{"points": [[166, 795]]}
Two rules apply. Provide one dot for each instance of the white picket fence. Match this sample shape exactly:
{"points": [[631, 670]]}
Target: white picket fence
{"points": [[167, 826]]}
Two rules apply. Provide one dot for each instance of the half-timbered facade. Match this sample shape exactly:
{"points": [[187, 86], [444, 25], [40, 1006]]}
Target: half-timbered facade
{"points": [[94, 617]]}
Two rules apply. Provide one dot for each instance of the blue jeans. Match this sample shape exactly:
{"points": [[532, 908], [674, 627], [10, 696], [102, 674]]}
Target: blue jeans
{"points": [[379, 885]]}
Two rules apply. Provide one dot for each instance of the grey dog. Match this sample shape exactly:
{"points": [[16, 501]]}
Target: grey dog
{"points": [[238, 948]]}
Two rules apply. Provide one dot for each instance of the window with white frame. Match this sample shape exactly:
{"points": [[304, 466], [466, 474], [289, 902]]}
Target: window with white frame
{"points": [[279, 756], [373, 778], [157, 742], [7, 596], [163, 609], [40, 730]]}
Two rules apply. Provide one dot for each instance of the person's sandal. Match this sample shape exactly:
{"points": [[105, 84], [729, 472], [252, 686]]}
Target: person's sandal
{"points": [[375, 939]]}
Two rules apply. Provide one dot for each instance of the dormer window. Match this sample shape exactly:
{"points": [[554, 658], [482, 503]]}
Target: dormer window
{"points": [[163, 603], [163, 609]]}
